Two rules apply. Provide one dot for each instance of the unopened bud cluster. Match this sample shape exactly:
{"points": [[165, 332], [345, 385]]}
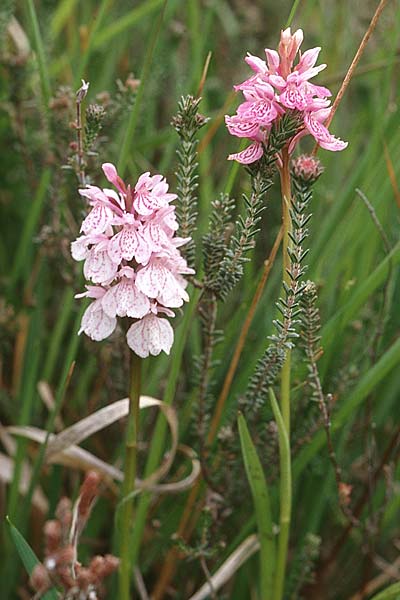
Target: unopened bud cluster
{"points": [[60, 567], [307, 168]]}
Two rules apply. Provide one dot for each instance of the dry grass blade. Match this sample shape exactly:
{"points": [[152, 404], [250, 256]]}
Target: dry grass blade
{"points": [[182, 485], [19, 39], [376, 583], [73, 457], [232, 564], [47, 397], [77, 458], [63, 448], [110, 414], [6, 476]]}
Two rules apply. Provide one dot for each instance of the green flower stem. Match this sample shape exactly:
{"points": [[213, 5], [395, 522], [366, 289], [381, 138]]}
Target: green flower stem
{"points": [[160, 432], [129, 479], [285, 500], [287, 227]]}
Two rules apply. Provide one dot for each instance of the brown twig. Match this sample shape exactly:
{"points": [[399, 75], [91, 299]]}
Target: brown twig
{"points": [[80, 96], [353, 65]]}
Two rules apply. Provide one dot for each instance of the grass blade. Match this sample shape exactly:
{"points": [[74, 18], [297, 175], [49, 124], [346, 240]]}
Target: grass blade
{"points": [[28, 557], [125, 22], [41, 57], [390, 593], [285, 498], [262, 506]]}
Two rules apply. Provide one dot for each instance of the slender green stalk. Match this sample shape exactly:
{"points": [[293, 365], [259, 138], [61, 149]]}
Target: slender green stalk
{"points": [[287, 227], [262, 507], [158, 439], [134, 116], [42, 61], [128, 487], [292, 12], [285, 499]]}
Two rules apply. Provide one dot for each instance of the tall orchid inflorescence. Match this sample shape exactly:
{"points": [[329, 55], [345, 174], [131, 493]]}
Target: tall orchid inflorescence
{"points": [[279, 87], [131, 255]]}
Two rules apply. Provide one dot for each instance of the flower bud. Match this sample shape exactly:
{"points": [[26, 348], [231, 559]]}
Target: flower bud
{"points": [[307, 168]]}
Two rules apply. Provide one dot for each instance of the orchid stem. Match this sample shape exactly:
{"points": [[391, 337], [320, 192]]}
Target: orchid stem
{"points": [[126, 568], [287, 227], [283, 416]]}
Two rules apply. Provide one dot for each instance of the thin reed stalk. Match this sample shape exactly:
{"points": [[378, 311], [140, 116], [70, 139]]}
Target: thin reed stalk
{"points": [[130, 468]]}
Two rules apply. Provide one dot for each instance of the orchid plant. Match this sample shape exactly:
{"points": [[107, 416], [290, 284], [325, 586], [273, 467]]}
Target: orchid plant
{"points": [[131, 253]]}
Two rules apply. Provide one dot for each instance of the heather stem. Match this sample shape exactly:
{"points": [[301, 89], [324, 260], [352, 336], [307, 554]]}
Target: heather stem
{"points": [[81, 168], [287, 228], [126, 568], [283, 417]]}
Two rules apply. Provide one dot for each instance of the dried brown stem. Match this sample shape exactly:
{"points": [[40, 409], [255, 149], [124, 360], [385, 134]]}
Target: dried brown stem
{"points": [[353, 65], [79, 152]]}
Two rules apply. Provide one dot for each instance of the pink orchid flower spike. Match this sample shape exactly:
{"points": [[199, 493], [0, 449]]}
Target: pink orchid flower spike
{"points": [[280, 86], [130, 251]]}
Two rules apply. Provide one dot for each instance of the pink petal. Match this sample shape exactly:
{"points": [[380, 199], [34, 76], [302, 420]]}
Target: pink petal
{"points": [[325, 139], [263, 112], [256, 63], [308, 59], [150, 335], [114, 248], [143, 250], [249, 155], [130, 301], [109, 302], [95, 323], [272, 59], [151, 279], [293, 98], [128, 242], [111, 173], [242, 127], [99, 267], [79, 248], [155, 237], [98, 219]]}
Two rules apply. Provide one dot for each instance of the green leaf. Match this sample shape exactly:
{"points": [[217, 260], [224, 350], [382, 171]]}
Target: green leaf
{"points": [[390, 593], [285, 500], [262, 506], [28, 557]]}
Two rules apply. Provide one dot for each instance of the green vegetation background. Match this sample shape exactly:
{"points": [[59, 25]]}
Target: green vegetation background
{"points": [[105, 41]]}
